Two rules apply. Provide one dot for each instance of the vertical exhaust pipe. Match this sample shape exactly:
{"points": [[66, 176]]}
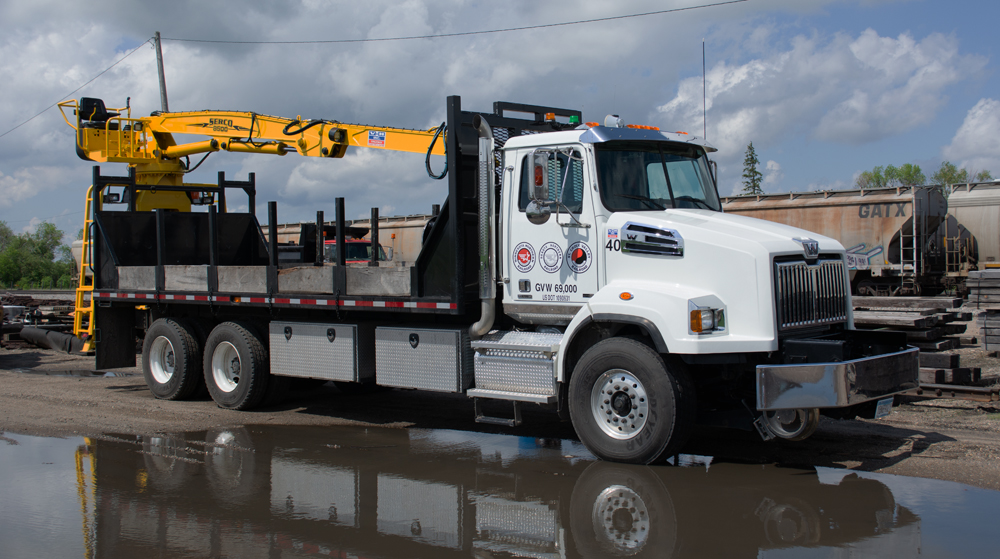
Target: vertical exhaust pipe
{"points": [[487, 244]]}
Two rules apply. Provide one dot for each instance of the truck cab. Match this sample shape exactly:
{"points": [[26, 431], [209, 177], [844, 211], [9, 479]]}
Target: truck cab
{"points": [[613, 238]]}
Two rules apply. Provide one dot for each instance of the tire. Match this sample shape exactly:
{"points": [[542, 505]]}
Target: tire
{"points": [[622, 511], [646, 403], [237, 371], [231, 466], [171, 359]]}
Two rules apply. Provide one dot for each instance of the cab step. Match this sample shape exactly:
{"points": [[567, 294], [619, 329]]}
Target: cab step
{"points": [[483, 418], [517, 366]]}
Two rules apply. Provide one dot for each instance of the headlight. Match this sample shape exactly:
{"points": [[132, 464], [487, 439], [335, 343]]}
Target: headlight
{"points": [[706, 319]]}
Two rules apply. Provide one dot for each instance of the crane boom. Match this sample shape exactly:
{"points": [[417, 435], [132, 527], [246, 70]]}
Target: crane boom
{"points": [[149, 145]]}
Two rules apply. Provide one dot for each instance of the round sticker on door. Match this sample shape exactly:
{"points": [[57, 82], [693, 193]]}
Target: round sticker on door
{"points": [[579, 257], [524, 257], [550, 257]]}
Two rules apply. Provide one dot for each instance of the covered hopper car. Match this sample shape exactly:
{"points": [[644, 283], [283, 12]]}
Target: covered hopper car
{"points": [[900, 241]]}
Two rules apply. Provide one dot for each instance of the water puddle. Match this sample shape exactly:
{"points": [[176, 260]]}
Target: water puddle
{"points": [[349, 492]]}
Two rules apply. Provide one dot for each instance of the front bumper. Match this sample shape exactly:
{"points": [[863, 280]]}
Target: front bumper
{"points": [[837, 384]]}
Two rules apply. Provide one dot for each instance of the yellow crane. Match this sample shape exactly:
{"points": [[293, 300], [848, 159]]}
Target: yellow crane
{"points": [[148, 145]]}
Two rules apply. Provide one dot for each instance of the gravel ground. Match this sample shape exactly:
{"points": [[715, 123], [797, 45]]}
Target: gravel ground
{"points": [[945, 439]]}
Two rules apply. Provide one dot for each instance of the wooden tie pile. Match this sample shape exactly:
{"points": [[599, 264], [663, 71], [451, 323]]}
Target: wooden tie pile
{"points": [[984, 293], [933, 324], [984, 288]]}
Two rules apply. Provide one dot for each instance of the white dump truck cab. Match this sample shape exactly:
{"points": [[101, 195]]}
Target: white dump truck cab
{"points": [[665, 307]]}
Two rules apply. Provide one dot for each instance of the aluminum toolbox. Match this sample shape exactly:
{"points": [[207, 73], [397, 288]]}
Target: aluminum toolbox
{"points": [[342, 352], [438, 359]]}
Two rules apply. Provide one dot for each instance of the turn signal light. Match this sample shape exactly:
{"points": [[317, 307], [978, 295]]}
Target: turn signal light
{"points": [[626, 296]]}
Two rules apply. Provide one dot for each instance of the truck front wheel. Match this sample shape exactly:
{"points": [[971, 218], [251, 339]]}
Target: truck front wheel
{"points": [[171, 359], [628, 405], [236, 366]]}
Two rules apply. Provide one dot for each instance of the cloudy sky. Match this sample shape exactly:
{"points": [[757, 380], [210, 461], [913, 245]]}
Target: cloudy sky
{"points": [[824, 89]]}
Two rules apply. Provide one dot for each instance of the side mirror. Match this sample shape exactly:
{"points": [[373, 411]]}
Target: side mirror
{"points": [[540, 176], [388, 253], [537, 212]]}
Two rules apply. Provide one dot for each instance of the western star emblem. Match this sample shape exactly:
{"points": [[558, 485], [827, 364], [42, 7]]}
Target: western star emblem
{"points": [[524, 257], [810, 247], [579, 257]]}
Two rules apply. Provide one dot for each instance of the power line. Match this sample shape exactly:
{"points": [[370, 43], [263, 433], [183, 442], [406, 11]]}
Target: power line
{"points": [[75, 90], [460, 34]]}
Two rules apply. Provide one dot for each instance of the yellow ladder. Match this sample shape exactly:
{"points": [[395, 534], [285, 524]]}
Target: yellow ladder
{"points": [[83, 314]]}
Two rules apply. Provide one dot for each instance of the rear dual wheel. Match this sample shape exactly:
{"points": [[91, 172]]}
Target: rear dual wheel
{"points": [[171, 359], [237, 370]]}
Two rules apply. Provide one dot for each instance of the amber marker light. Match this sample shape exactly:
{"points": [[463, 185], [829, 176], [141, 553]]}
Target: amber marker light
{"points": [[592, 124], [550, 116], [626, 296]]}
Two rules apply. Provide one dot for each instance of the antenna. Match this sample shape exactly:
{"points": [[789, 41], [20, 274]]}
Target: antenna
{"points": [[704, 93]]}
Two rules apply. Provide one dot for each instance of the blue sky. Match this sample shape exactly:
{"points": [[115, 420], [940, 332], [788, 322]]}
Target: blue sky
{"points": [[825, 89]]}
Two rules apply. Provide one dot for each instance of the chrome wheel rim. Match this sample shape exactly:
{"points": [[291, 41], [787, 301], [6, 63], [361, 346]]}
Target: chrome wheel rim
{"points": [[622, 517], [162, 360], [619, 404], [226, 367]]}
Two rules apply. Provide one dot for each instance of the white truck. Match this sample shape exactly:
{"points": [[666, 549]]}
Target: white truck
{"points": [[585, 266]]}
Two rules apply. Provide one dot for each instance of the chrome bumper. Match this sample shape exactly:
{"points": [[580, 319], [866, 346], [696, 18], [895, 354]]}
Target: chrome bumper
{"points": [[836, 385]]}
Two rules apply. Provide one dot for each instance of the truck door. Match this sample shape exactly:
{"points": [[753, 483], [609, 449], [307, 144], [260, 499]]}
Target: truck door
{"points": [[549, 260]]}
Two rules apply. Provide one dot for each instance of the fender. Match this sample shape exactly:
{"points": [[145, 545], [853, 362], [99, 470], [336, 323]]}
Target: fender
{"points": [[664, 315]]}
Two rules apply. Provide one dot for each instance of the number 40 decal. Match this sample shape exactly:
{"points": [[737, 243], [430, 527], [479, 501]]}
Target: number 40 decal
{"points": [[613, 244]]}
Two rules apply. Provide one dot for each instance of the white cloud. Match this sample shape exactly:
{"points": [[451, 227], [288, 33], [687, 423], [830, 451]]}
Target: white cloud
{"points": [[976, 144], [839, 89], [29, 182], [773, 173], [32, 224]]}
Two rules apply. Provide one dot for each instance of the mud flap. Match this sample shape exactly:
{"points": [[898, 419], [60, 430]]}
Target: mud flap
{"points": [[115, 333]]}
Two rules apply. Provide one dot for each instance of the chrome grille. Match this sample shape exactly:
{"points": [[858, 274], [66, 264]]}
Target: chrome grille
{"points": [[810, 294], [645, 239]]}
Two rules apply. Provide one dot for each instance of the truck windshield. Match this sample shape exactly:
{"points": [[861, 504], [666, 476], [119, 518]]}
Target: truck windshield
{"points": [[652, 176], [355, 252]]}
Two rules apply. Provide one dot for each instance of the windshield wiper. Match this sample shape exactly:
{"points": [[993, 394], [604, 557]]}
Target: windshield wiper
{"points": [[693, 200], [649, 201]]}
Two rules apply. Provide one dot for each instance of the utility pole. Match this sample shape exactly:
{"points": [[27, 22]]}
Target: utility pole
{"points": [[163, 79]]}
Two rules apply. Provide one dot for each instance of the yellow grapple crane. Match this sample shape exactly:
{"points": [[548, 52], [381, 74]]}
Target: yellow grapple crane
{"points": [[148, 145]]}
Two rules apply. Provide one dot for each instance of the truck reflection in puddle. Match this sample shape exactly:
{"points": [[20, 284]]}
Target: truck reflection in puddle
{"points": [[348, 492]]}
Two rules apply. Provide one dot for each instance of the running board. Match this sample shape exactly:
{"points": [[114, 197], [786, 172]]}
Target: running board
{"points": [[480, 418], [514, 396]]}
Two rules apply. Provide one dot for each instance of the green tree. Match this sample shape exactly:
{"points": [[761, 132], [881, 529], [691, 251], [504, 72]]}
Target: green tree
{"points": [[890, 175], [871, 179], [983, 176], [752, 177], [911, 175], [948, 173], [34, 259]]}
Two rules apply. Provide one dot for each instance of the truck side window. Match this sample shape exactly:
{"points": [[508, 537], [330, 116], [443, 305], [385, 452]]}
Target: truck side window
{"points": [[572, 195]]}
